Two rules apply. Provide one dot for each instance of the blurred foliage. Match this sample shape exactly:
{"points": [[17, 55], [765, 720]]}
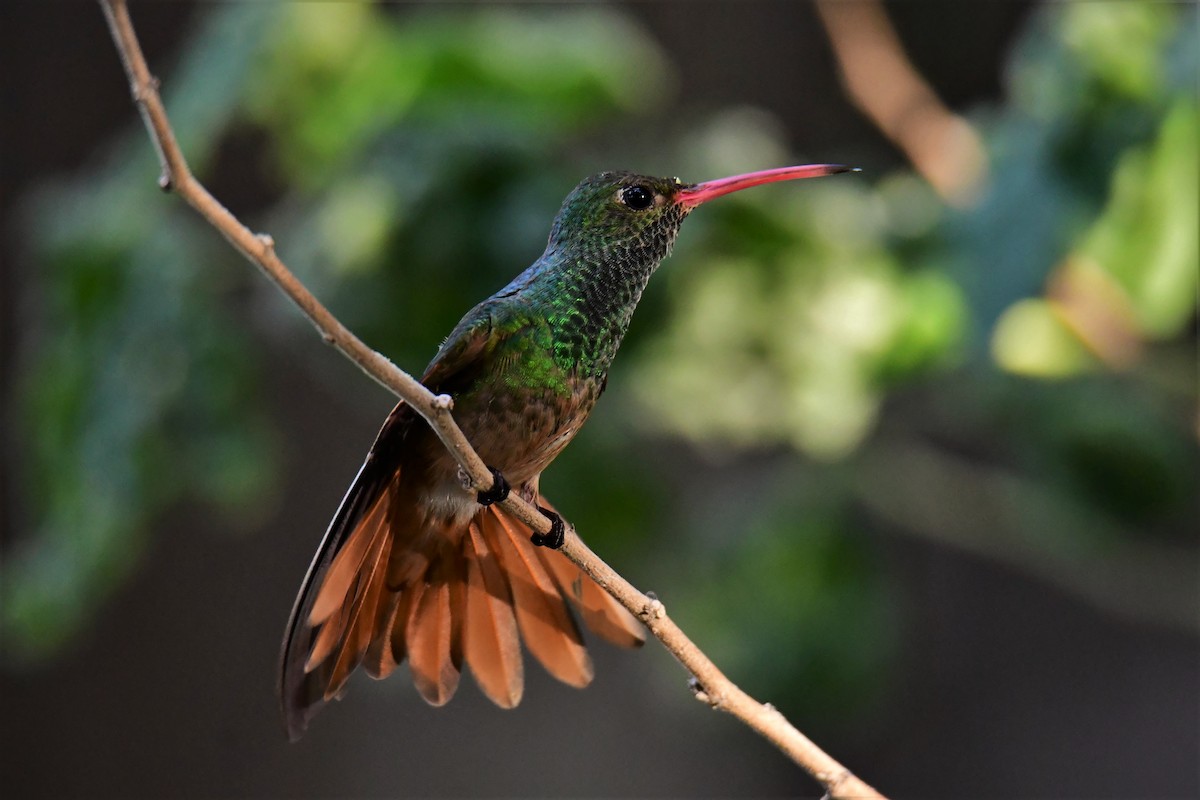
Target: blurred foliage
{"points": [[1109, 116], [139, 391], [417, 157]]}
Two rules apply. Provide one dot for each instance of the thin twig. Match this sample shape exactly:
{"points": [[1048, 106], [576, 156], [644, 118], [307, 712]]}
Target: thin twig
{"points": [[710, 684]]}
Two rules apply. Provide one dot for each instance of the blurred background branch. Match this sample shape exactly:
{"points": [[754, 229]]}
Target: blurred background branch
{"points": [[942, 146]]}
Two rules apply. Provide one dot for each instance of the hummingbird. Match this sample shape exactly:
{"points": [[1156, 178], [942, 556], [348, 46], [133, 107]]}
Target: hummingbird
{"points": [[416, 566]]}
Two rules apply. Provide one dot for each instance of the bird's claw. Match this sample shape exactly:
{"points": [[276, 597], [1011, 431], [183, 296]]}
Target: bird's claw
{"points": [[497, 494], [557, 535]]}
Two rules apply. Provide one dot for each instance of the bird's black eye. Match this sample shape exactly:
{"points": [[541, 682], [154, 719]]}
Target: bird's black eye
{"points": [[639, 198]]}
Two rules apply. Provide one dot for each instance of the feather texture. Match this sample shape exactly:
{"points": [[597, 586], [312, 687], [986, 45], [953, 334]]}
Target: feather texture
{"points": [[379, 662], [491, 645], [328, 638], [428, 638], [602, 615], [348, 563], [361, 621], [600, 612], [546, 625]]}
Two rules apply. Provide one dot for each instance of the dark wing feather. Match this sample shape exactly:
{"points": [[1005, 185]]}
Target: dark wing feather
{"points": [[454, 363], [301, 692]]}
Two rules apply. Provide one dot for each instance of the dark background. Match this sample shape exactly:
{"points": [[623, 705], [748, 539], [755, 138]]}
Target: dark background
{"points": [[1002, 685]]}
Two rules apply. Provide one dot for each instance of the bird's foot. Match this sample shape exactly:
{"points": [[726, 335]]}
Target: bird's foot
{"points": [[558, 532], [497, 494]]}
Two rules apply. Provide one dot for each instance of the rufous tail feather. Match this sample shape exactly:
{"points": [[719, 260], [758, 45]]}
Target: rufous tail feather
{"points": [[454, 597]]}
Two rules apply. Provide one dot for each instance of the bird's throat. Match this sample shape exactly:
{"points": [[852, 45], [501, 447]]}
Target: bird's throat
{"points": [[588, 294]]}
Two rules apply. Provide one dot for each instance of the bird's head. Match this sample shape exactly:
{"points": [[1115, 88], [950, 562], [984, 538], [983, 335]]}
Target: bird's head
{"points": [[624, 214]]}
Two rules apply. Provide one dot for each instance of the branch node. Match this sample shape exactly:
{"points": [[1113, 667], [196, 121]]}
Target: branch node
{"points": [[267, 241], [714, 700], [165, 183], [142, 91], [442, 402], [653, 610]]}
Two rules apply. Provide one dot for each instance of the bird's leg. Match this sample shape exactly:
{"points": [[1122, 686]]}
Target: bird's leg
{"points": [[553, 539], [497, 494]]}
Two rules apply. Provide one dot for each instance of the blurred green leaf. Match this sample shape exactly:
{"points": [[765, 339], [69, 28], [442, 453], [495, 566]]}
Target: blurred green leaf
{"points": [[1121, 44], [137, 373], [331, 79], [1148, 237], [1031, 339]]}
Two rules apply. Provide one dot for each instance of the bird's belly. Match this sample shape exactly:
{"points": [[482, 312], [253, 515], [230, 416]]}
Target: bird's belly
{"points": [[517, 434], [521, 436]]}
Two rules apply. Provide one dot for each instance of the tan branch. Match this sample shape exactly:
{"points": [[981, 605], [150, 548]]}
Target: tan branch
{"points": [[711, 685]]}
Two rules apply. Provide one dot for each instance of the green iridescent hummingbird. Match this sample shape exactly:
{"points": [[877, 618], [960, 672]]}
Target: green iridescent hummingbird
{"points": [[414, 565]]}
